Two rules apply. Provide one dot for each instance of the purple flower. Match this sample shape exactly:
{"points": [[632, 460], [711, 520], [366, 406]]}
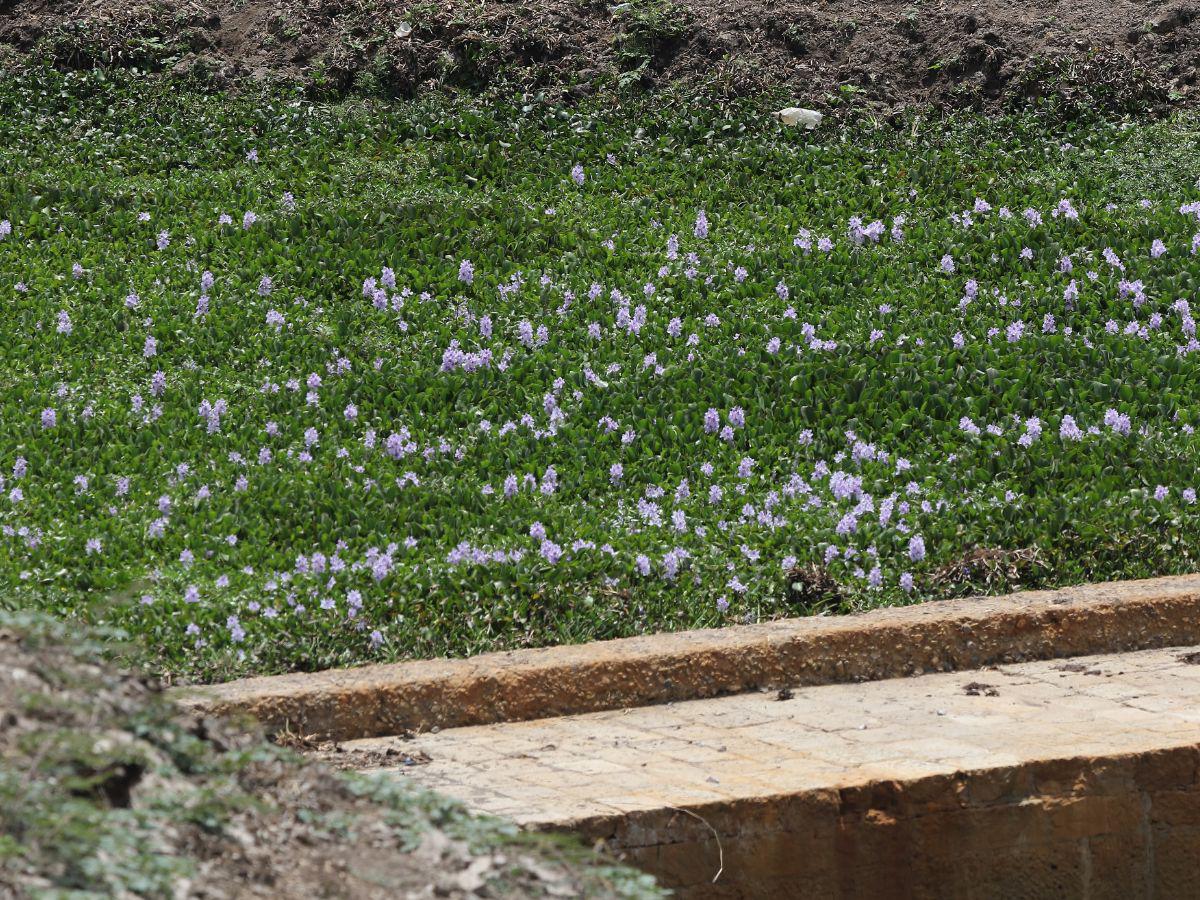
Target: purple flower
{"points": [[916, 548], [49, 418], [1033, 430], [701, 228], [466, 272], [1066, 210], [1116, 421], [906, 582], [577, 175]]}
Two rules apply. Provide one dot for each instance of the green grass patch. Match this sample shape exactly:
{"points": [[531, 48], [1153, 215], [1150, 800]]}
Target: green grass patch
{"points": [[622, 421]]}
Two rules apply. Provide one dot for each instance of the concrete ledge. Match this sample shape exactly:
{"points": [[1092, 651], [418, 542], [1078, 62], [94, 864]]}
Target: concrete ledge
{"points": [[1058, 779], [1125, 826], [1071, 780], [630, 672]]}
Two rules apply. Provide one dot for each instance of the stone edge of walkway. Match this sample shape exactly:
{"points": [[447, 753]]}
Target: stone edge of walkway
{"points": [[393, 699]]}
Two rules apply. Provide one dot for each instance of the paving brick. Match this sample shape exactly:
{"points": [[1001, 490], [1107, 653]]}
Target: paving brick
{"points": [[1176, 870], [1172, 809], [1119, 866]]}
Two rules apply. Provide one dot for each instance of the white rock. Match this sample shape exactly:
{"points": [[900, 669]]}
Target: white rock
{"points": [[796, 115]]}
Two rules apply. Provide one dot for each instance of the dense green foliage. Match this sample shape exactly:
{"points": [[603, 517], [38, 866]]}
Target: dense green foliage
{"points": [[271, 521]]}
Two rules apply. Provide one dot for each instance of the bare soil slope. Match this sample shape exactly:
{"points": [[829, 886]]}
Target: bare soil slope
{"points": [[890, 54]]}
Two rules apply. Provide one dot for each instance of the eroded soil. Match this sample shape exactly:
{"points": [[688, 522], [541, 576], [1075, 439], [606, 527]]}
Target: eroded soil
{"points": [[107, 787], [887, 55]]}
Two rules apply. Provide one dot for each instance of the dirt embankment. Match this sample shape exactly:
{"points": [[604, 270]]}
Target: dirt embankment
{"points": [[887, 55], [107, 787]]}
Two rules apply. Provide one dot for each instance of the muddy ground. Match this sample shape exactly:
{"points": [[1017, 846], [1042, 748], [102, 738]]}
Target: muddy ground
{"points": [[886, 55]]}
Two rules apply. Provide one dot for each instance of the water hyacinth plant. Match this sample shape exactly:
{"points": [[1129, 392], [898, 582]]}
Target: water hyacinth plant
{"points": [[289, 386]]}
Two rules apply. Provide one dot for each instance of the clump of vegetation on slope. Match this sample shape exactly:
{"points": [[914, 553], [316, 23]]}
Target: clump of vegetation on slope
{"points": [[106, 789]]}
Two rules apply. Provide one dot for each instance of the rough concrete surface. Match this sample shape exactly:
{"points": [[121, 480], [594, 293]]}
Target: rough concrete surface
{"points": [[1049, 779], [531, 684]]}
